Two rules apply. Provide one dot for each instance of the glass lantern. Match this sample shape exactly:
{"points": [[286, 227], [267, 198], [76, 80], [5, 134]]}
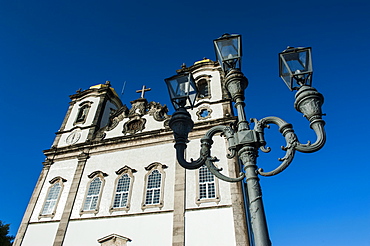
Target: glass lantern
{"points": [[228, 51], [295, 67], [182, 90]]}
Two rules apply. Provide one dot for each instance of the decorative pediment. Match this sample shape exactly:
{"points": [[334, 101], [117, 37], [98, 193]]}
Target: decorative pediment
{"points": [[136, 121], [125, 169], [57, 179], [114, 240], [155, 165], [97, 173]]}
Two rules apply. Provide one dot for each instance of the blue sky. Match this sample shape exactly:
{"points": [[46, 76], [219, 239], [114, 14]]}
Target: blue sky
{"points": [[50, 49]]}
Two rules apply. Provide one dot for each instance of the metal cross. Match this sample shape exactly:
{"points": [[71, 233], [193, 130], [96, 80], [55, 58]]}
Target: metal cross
{"points": [[143, 90]]}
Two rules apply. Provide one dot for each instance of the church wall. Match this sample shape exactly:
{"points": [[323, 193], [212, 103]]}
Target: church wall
{"points": [[152, 229], [138, 159], [209, 227], [40, 234], [64, 169]]}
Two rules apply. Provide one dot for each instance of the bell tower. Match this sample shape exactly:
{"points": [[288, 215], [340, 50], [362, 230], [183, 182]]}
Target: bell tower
{"points": [[89, 110]]}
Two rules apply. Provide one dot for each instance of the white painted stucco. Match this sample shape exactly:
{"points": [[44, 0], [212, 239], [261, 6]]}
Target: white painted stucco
{"points": [[150, 230], [209, 227], [41, 234], [64, 169]]}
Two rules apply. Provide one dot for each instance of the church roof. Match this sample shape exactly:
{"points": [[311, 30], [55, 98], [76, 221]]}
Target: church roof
{"points": [[107, 84]]}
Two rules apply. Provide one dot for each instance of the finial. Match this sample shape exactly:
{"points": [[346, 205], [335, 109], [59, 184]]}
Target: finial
{"points": [[183, 65], [107, 83], [79, 90]]}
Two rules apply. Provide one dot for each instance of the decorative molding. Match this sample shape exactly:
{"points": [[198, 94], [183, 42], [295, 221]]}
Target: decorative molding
{"points": [[134, 125], [122, 171], [125, 169], [82, 113], [56, 179], [83, 156], [204, 79], [201, 110], [48, 162], [138, 108], [158, 111], [92, 176], [136, 122], [155, 165], [150, 168], [97, 173], [113, 122], [53, 182], [114, 239]]}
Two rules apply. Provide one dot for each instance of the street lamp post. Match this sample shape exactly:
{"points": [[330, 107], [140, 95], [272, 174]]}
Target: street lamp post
{"points": [[296, 71]]}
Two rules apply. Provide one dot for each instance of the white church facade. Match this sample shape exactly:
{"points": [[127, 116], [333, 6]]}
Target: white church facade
{"points": [[111, 176]]}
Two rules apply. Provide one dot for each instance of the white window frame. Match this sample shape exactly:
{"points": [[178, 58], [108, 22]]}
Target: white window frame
{"points": [[207, 183], [94, 175], [51, 213], [157, 167], [126, 170]]}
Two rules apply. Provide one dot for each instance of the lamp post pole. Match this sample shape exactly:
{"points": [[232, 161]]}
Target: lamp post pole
{"points": [[244, 142], [236, 83]]}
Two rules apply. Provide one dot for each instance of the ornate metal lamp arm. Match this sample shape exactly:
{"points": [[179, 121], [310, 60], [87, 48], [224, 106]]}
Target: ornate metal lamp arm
{"points": [[309, 102], [291, 139], [181, 124], [207, 141]]}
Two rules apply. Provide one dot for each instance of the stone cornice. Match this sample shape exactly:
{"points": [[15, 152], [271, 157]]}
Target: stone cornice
{"points": [[150, 138]]}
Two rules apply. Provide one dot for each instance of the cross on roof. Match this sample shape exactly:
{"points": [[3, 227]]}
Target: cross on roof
{"points": [[143, 90]]}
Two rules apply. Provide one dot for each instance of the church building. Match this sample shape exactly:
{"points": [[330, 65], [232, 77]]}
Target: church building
{"points": [[111, 175]]}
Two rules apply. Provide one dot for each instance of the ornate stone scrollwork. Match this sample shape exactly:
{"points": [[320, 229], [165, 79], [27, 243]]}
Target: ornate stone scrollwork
{"points": [[114, 120], [158, 111], [134, 125]]}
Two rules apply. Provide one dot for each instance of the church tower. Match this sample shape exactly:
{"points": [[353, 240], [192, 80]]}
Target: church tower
{"points": [[111, 176]]}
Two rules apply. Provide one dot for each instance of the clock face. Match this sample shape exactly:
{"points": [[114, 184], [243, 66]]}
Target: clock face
{"points": [[73, 137]]}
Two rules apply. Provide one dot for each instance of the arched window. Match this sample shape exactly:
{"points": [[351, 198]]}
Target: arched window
{"points": [[123, 190], [153, 188], [154, 184], [52, 197], [91, 201], [93, 193], [82, 112], [203, 89], [207, 186]]}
